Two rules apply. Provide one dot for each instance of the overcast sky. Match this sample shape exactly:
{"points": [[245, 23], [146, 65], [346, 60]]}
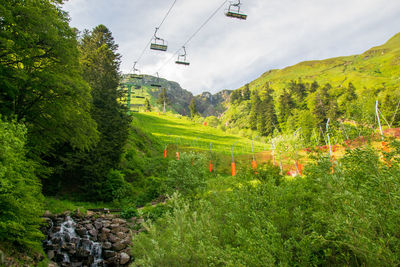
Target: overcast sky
{"points": [[228, 53]]}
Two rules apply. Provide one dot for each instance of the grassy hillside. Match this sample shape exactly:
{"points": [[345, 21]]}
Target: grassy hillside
{"points": [[377, 67], [169, 127]]}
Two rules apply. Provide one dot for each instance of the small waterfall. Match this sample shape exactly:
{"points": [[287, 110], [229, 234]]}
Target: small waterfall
{"points": [[69, 248]]}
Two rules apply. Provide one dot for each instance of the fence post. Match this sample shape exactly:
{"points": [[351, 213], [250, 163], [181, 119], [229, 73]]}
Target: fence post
{"points": [[233, 165]]}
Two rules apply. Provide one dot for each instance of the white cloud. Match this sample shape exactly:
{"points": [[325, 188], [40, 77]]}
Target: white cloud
{"points": [[228, 53]]}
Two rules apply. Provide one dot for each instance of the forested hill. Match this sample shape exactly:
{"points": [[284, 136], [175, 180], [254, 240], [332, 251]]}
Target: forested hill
{"points": [[207, 103], [377, 67], [309, 93]]}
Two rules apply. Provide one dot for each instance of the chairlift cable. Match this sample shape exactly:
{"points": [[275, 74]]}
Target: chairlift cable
{"points": [[194, 34]]}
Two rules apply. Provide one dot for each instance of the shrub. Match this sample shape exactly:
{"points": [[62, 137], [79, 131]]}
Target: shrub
{"points": [[129, 213], [20, 190], [346, 218], [187, 175], [116, 188]]}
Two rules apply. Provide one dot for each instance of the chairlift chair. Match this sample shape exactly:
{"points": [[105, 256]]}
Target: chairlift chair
{"points": [[156, 84], [158, 43], [182, 58], [234, 11], [136, 72]]}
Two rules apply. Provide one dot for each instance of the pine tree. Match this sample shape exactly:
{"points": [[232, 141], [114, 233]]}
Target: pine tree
{"points": [[163, 99], [246, 92], [101, 62], [285, 106], [254, 109], [147, 105], [267, 118], [193, 108]]}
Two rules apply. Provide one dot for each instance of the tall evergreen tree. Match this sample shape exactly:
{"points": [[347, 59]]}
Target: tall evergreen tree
{"points": [[193, 108], [163, 99], [246, 92], [267, 117], [147, 105], [285, 107], [101, 62], [254, 109]]}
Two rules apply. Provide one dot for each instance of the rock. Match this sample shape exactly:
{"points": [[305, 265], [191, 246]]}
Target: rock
{"points": [[76, 264], [121, 235], [105, 230], [118, 246], [98, 225], [82, 253], [47, 214], [81, 231], [139, 221], [102, 237], [89, 226], [127, 251], [106, 224], [93, 232], [89, 213], [118, 221], [52, 264], [50, 254], [124, 258], [127, 241], [124, 229], [114, 261], [116, 230], [106, 245], [109, 254], [112, 238]]}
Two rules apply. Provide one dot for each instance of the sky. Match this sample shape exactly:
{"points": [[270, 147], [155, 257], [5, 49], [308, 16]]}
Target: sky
{"points": [[228, 53]]}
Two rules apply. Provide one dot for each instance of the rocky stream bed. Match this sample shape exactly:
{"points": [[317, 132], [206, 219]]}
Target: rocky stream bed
{"points": [[96, 240]]}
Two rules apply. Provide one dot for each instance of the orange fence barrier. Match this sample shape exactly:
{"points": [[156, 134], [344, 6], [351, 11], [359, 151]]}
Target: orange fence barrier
{"points": [[165, 153], [210, 166], [233, 167]]}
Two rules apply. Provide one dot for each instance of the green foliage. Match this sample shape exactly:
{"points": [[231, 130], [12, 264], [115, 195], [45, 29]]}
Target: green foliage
{"points": [[129, 213], [115, 187], [100, 63], [346, 218], [153, 213], [193, 108], [20, 190], [339, 89], [147, 105], [40, 76], [187, 175]]}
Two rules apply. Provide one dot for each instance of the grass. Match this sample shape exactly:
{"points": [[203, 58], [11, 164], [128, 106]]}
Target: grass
{"points": [[55, 205], [176, 129]]}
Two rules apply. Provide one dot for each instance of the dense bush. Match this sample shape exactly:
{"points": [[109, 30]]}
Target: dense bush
{"points": [[346, 218], [20, 194], [187, 175], [129, 213]]}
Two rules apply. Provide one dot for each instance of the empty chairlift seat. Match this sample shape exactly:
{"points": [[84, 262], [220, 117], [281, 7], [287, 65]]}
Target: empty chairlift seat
{"points": [[234, 11], [158, 43], [182, 58]]}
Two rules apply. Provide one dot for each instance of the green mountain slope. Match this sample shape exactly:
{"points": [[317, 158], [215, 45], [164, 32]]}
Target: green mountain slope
{"points": [[336, 88], [207, 104], [377, 67]]}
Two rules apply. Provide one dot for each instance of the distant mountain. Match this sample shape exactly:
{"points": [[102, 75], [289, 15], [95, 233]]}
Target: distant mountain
{"points": [[207, 104], [348, 86], [212, 105], [377, 67]]}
